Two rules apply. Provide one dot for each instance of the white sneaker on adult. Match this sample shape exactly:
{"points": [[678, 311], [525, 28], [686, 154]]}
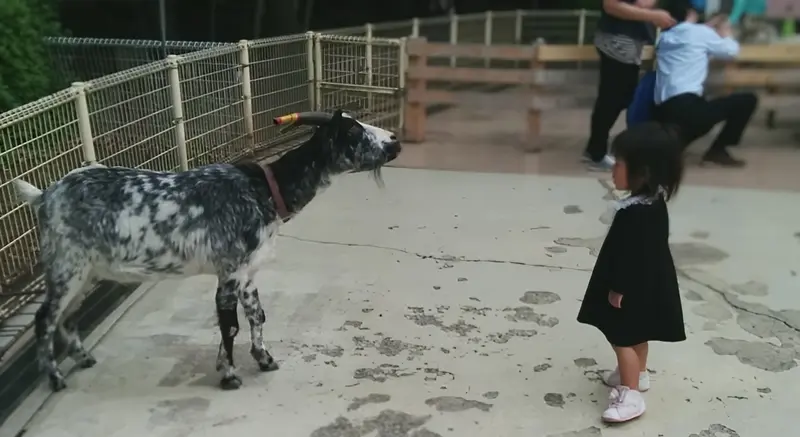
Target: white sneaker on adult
{"points": [[613, 380], [624, 405], [605, 164]]}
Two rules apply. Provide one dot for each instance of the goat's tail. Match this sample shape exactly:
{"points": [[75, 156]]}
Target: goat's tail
{"points": [[27, 192]]}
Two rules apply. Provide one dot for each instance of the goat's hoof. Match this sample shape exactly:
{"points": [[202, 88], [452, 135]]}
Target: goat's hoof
{"points": [[57, 383], [232, 382], [87, 362], [268, 367]]}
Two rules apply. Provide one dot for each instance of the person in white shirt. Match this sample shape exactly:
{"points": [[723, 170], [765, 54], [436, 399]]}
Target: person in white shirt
{"points": [[682, 60]]}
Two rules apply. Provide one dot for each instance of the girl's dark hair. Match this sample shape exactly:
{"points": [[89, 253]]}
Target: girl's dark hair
{"points": [[653, 154]]}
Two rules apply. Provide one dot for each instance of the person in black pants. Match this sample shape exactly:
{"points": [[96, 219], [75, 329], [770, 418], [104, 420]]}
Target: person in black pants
{"points": [[681, 70], [625, 27]]}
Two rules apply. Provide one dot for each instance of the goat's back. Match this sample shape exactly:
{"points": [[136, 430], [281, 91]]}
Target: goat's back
{"points": [[140, 223]]}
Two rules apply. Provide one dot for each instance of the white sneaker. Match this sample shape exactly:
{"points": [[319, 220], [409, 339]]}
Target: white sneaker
{"points": [[604, 164], [624, 405], [613, 380]]}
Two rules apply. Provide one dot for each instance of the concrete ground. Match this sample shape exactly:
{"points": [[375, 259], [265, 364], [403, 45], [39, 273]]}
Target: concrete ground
{"points": [[444, 305]]}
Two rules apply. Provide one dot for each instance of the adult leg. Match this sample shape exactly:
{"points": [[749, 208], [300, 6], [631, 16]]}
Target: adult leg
{"points": [[690, 113], [735, 110], [614, 94]]}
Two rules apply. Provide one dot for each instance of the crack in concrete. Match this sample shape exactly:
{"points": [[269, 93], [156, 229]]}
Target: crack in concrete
{"points": [[726, 298], [446, 258]]}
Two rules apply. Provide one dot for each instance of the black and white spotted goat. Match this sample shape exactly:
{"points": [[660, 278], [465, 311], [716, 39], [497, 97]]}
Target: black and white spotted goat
{"points": [[129, 225]]}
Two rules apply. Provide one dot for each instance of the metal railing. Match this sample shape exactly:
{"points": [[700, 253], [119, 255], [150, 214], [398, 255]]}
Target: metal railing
{"points": [[213, 102]]}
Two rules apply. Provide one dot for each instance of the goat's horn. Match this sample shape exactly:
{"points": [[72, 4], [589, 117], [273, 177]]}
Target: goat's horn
{"points": [[298, 118]]}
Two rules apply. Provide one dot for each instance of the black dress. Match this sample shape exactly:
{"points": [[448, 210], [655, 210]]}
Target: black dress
{"points": [[636, 261]]}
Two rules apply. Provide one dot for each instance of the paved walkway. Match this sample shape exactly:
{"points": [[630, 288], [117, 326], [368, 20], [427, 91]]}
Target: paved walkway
{"points": [[445, 305]]}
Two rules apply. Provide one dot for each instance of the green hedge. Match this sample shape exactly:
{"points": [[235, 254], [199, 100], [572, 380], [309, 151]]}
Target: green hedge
{"points": [[25, 70]]}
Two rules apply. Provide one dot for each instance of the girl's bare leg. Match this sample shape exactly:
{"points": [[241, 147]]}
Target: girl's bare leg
{"points": [[629, 368], [641, 351]]}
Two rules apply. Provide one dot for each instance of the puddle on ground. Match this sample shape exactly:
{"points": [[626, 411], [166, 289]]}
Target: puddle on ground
{"points": [[554, 400], [390, 347], [761, 355], [503, 338], [716, 430], [381, 373], [572, 209], [592, 431], [585, 362]]}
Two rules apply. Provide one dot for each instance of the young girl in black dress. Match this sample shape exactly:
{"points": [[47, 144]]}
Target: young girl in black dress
{"points": [[633, 296]]}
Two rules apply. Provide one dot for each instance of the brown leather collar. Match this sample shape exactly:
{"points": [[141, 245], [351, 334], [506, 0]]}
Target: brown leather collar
{"points": [[280, 205]]}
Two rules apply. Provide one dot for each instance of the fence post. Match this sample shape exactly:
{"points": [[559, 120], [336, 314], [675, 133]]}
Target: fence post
{"points": [[415, 107], [487, 36], [368, 55], [84, 122], [177, 111], [534, 113], [310, 66], [318, 71], [453, 35], [401, 82], [247, 92], [415, 27], [518, 31], [582, 27]]}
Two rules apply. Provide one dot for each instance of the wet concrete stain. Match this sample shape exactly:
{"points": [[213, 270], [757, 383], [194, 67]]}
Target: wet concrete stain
{"points": [[491, 394], [355, 324], [585, 362], [169, 411], [684, 254], [555, 249], [700, 235], [712, 311], [716, 430], [592, 431], [607, 217], [309, 358], [388, 423], [372, 398], [502, 338], [761, 355], [539, 297], [542, 367], [390, 347], [554, 400], [381, 373], [760, 321], [475, 310], [751, 288], [433, 374], [527, 314], [454, 404], [419, 317], [693, 296], [572, 209], [593, 244], [329, 351], [693, 253]]}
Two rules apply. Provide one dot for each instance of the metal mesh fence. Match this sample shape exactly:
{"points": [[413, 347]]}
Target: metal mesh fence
{"points": [[137, 109]]}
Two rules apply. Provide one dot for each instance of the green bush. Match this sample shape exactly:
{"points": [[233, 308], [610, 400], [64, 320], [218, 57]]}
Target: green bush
{"points": [[25, 71]]}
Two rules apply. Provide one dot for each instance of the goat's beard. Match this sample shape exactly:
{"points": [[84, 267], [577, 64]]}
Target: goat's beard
{"points": [[377, 175]]}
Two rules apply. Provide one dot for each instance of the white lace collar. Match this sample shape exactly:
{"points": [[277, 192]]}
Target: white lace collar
{"points": [[640, 199]]}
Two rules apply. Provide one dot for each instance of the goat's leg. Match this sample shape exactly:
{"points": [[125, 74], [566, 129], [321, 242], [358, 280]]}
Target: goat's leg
{"points": [[61, 281], [68, 327], [226, 300], [248, 296]]}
